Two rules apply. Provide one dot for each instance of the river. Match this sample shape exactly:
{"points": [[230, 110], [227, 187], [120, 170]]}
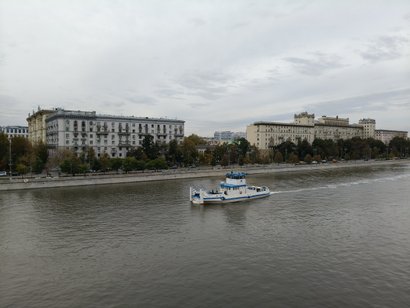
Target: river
{"points": [[325, 238]]}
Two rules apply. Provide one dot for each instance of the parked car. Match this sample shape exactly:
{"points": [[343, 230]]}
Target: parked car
{"points": [[3, 173]]}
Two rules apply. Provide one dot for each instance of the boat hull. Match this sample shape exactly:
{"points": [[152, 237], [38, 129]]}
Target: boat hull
{"points": [[222, 199]]}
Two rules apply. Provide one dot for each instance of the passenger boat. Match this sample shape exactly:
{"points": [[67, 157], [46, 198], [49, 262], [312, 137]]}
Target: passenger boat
{"points": [[234, 189]]}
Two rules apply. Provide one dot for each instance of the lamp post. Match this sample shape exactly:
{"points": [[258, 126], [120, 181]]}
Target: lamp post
{"points": [[10, 175]]}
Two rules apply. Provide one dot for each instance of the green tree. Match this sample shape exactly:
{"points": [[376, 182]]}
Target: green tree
{"points": [[278, 158], [105, 162], [243, 146], [21, 168], [150, 148], [4, 151], [189, 152], [116, 163], [129, 164]]}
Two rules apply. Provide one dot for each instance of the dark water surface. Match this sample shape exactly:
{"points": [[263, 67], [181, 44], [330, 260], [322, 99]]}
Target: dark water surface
{"points": [[329, 238]]}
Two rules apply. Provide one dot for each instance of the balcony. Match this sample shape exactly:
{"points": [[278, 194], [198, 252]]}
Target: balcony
{"points": [[102, 132], [124, 133]]}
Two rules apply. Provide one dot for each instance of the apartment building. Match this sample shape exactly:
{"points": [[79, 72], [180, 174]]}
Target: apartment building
{"points": [[114, 135], [386, 136], [268, 134], [37, 125], [14, 131]]}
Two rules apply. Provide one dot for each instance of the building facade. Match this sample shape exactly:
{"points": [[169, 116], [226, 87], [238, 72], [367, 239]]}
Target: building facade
{"points": [[336, 128], [15, 131], [225, 136], [386, 136], [113, 135], [369, 128], [265, 135], [37, 125]]}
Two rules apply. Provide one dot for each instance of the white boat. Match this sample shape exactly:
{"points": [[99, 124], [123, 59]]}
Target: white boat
{"points": [[234, 189]]}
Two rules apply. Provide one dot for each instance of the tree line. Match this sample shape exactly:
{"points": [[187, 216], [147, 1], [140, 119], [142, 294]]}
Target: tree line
{"points": [[193, 151]]}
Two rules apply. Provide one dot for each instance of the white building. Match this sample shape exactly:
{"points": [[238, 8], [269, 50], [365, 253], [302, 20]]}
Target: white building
{"points": [[386, 136], [114, 135], [15, 131]]}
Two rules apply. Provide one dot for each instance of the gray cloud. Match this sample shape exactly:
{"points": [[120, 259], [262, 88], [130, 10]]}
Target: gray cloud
{"points": [[316, 64], [207, 84], [239, 61], [365, 103], [386, 47], [141, 99]]}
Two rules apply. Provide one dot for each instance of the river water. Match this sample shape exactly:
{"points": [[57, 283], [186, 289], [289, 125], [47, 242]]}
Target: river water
{"points": [[326, 238]]}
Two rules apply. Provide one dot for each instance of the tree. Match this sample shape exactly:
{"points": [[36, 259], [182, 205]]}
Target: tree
{"points": [[278, 158], [243, 146], [308, 158], [21, 168], [399, 146], [189, 152], [116, 163], [105, 162], [304, 148], [4, 151], [150, 148], [293, 158], [129, 164]]}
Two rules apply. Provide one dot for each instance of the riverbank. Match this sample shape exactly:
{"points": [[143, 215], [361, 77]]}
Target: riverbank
{"points": [[101, 179]]}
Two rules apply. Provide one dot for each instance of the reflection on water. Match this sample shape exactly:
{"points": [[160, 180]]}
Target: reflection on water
{"points": [[325, 238]]}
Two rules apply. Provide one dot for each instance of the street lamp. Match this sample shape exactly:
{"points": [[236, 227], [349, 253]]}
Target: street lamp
{"points": [[10, 175]]}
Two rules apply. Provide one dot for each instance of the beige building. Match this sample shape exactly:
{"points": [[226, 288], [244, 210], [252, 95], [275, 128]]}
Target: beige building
{"points": [[268, 134], [369, 128], [386, 136], [37, 125], [336, 128]]}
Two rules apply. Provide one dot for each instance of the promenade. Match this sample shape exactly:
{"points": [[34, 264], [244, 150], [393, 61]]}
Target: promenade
{"points": [[24, 183]]}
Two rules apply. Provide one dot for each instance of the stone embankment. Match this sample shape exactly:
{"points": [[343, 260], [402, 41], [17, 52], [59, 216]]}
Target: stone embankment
{"points": [[19, 183]]}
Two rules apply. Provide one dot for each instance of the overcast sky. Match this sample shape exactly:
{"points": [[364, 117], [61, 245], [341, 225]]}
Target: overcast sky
{"points": [[218, 65]]}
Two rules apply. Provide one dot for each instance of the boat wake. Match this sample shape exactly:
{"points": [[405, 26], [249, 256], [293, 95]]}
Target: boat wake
{"points": [[346, 184]]}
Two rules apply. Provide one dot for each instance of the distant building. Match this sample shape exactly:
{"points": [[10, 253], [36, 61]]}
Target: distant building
{"points": [[386, 136], [226, 136], [15, 131], [336, 128], [369, 127], [113, 135], [37, 125], [268, 134]]}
